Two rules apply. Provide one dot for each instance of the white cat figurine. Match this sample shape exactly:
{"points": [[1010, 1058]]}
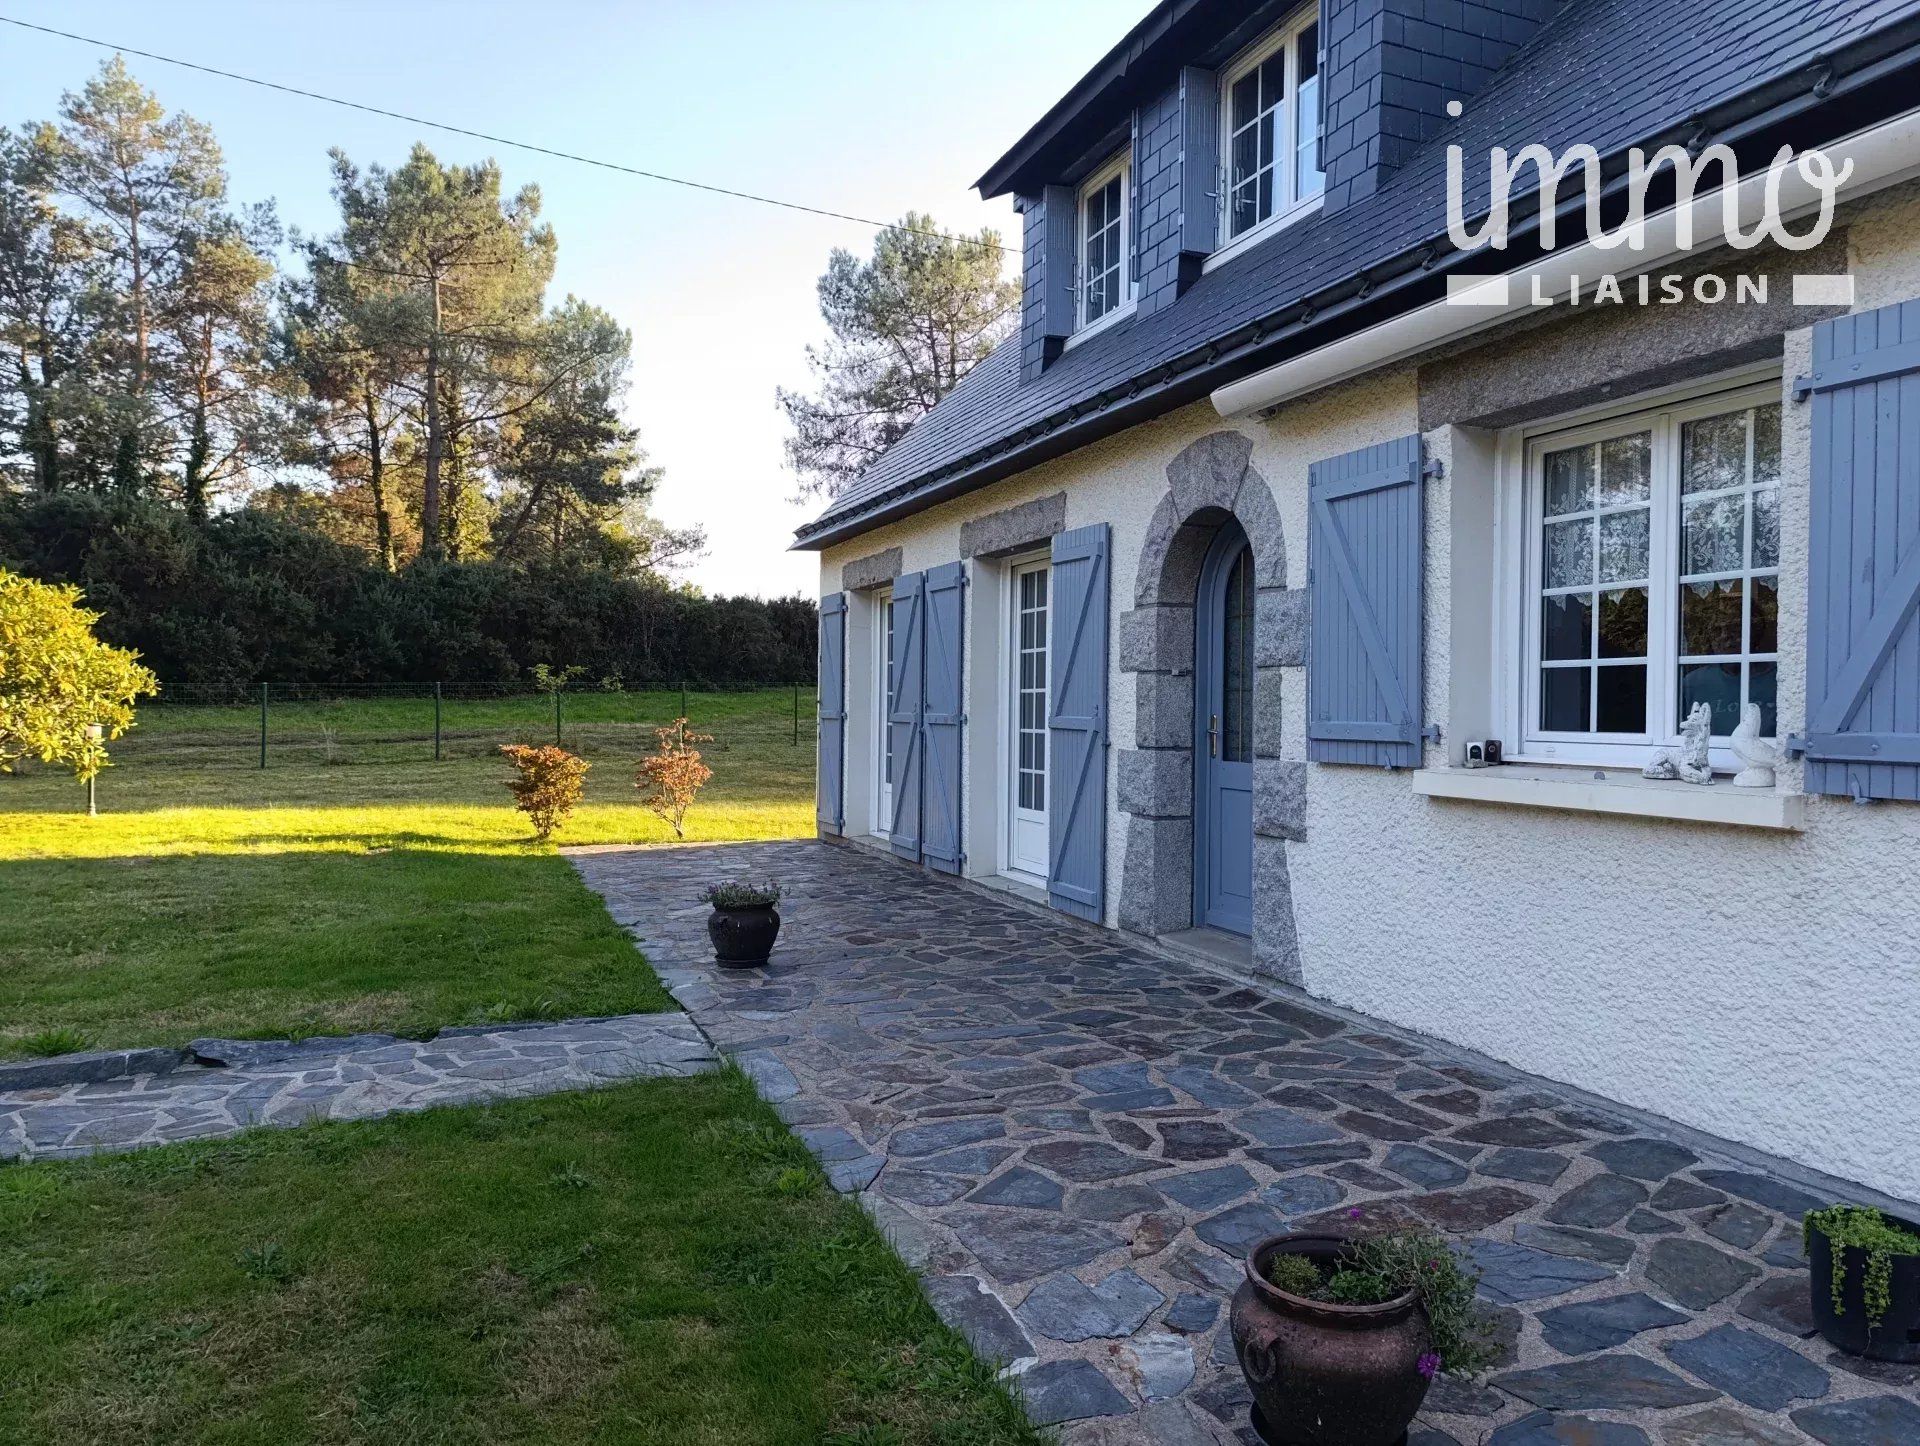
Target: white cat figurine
{"points": [[1689, 762]]}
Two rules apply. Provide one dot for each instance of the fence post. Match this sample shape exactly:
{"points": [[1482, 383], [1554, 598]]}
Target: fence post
{"points": [[796, 715], [556, 717], [436, 722], [263, 723]]}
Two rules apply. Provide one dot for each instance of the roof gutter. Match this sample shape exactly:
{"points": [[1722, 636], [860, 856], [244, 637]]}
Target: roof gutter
{"points": [[1882, 156]]}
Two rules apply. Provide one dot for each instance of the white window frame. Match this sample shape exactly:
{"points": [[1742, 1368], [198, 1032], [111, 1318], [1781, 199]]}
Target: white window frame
{"points": [[1122, 166], [883, 707], [1288, 204], [1015, 568], [1519, 559]]}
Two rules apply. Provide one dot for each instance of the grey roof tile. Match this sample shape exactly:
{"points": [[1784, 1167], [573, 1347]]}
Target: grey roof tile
{"points": [[1606, 72]]}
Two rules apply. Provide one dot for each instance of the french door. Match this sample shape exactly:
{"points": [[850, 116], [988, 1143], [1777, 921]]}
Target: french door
{"points": [[1026, 753], [883, 735], [1223, 742]]}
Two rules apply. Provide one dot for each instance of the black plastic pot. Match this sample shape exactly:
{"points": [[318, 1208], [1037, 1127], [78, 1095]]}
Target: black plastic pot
{"points": [[1897, 1337], [743, 936]]}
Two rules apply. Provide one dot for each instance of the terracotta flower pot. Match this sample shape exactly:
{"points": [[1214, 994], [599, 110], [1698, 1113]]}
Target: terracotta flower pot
{"points": [[743, 936], [1897, 1337], [1324, 1374]]}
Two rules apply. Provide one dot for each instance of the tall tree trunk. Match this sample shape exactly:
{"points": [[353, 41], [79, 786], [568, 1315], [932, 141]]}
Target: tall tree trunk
{"points": [[455, 510], [430, 539], [126, 475], [199, 447], [38, 433], [139, 295], [200, 441], [377, 482], [126, 461]]}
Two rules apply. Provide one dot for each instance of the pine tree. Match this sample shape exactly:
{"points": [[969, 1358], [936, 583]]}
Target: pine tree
{"points": [[905, 328]]}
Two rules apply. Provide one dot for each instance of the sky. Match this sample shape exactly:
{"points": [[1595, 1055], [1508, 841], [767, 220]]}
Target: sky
{"points": [[867, 107]]}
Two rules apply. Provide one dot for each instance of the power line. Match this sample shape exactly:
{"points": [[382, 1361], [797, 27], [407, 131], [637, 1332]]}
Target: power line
{"points": [[493, 139]]}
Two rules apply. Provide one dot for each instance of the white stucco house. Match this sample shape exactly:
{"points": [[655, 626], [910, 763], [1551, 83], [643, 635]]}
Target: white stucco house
{"points": [[1182, 612]]}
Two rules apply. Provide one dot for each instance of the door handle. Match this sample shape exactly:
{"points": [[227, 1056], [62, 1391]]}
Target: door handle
{"points": [[1213, 735]]}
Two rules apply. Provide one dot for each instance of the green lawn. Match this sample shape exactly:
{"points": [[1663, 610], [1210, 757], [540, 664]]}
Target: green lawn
{"points": [[378, 890], [659, 1263]]}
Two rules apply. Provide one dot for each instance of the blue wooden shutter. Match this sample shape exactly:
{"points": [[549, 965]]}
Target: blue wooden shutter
{"points": [[1077, 724], [903, 711], [832, 704], [943, 718], [1364, 553], [1863, 638]]}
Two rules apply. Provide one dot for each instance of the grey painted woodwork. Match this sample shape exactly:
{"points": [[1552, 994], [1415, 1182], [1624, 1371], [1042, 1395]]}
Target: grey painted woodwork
{"points": [[1364, 566], [903, 713], [1863, 635], [943, 716], [1077, 724], [831, 702]]}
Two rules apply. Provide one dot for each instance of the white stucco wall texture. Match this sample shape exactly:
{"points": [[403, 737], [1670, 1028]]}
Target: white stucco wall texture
{"points": [[1762, 986]]}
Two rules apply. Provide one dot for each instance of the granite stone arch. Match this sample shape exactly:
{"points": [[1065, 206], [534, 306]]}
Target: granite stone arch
{"points": [[1210, 481]]}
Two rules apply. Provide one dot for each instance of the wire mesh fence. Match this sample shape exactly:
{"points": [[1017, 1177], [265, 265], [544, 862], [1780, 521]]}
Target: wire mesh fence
{"points": [[281, 726]]}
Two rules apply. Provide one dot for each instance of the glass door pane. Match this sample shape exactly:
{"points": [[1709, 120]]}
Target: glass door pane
{"points": [[1236, 671]]}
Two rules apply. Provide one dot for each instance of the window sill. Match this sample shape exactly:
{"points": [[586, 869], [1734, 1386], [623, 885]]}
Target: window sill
{"points": [[1112, 319], [1274, 224], [1617, 792]]}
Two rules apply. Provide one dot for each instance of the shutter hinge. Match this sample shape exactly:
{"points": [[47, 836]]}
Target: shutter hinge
{"points": [[1796, 745], [1431, 733], [1876, 366], [1434, 468]]}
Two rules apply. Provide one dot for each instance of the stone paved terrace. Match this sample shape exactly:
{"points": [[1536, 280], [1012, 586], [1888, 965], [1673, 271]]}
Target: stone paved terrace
{"points": [[276, 1082], [1073, 1139]]}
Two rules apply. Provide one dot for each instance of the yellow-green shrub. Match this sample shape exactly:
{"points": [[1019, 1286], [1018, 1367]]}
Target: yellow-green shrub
{"points": [[57, 679]]}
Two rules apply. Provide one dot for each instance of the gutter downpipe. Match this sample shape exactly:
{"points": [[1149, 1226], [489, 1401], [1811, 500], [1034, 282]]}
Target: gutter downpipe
{"points": [[1882, 156]]}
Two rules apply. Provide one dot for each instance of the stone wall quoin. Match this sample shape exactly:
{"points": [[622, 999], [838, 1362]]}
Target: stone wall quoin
{"points": [[1209, 482]]}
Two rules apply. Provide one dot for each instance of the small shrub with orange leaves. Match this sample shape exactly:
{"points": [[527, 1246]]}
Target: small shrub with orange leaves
{"points": [[672, 775], [549, 785]]}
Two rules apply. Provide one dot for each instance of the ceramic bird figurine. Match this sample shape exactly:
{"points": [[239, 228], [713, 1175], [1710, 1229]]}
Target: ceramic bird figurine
{"points": [[1758, 756]]}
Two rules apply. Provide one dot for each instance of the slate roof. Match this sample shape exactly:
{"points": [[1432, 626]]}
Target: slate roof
{"points": [[1611, 73]]}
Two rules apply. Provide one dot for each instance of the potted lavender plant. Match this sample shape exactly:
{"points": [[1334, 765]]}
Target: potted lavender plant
{"points": [[744, 922]]}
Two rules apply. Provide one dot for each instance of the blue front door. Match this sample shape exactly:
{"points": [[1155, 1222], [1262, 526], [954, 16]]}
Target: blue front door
{"points": [[1223, 743]]}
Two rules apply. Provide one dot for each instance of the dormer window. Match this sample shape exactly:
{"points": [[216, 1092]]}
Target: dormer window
{"points": [[1104, 238], [1270, 107]]}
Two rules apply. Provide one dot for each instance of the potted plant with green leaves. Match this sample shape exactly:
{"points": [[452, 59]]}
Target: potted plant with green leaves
{"points": [[1340, 1334], [744, 922], [1865, 1280]]}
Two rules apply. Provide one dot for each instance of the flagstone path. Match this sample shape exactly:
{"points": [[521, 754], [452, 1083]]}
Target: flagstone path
{"points": [[279, 1082], [1074, 1139]]}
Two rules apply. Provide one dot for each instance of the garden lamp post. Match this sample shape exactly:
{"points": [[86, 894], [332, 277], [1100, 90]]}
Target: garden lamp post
{"points": [[95, 732]]}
